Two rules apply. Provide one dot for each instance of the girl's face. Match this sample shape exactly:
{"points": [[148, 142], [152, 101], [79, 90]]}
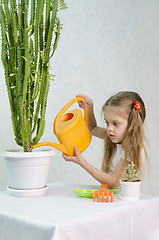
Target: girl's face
{"points": [[116, 119]]}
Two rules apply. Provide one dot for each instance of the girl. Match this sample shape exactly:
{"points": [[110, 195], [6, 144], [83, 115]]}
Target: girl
{"points": [[124, 114]]}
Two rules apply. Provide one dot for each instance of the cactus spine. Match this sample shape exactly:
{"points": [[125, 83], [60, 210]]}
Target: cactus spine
{"points": [[30, 32]]}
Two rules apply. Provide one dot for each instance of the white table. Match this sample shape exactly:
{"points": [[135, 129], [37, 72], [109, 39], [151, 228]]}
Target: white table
{"points": [[61, 215]]}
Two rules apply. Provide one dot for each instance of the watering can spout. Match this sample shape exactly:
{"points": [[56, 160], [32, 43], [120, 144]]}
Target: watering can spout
{"points": [[58, 146]]}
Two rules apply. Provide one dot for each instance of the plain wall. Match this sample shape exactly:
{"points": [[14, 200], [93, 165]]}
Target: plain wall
{"points": [[105, 47]]}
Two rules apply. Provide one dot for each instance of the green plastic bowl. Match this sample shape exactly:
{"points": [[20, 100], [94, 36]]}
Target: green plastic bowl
{"points": [[89, 193]]}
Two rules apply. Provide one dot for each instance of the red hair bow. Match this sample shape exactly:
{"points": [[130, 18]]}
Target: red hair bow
{"points": [[137, 105]]}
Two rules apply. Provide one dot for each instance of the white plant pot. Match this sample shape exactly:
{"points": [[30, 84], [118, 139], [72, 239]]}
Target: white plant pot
{"points": [[130, 190], [27, 171]]}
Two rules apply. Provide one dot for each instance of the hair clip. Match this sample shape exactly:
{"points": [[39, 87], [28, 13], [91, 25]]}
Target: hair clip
{"points": [[137, 105]]}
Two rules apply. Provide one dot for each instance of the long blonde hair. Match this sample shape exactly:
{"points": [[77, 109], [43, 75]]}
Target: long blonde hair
{"points": [[133, 142]]}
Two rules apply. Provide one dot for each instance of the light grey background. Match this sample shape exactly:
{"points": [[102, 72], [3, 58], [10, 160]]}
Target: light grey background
{"points": [[105, 47]]}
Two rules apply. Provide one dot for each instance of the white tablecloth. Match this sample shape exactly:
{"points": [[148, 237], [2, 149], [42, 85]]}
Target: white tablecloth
{"points": [[61, 215]]}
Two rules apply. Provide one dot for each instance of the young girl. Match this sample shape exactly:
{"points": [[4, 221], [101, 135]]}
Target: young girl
{"points": [[124, 114]]}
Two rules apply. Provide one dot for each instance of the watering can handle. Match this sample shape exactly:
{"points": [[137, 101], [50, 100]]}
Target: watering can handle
{"points": [[63, 110]]}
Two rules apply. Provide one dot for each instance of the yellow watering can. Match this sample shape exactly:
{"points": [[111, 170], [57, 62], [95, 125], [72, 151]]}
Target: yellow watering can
{"points": [[71, 129]]}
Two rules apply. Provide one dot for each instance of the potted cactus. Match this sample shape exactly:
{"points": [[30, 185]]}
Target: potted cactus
{"points": [[30, 31], [130, 186]]}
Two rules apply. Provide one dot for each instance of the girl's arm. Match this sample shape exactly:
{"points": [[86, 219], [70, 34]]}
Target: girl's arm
{"points": [[92, 123], [113, 180]]}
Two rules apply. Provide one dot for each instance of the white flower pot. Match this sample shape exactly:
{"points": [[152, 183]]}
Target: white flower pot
{"points": [[27, 171], [130, 190]]}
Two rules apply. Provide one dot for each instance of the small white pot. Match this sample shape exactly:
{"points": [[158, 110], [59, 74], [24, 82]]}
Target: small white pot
{"points": [[130, 190], [27, 171]]}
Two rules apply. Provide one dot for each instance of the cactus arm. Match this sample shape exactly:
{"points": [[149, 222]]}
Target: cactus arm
{"points": [[6, 69], [36, 40], [4, 37], [26, 56], [61, 6], [26, 136], [57, 35], [36, 89], [20, 23], [32, 12], [50, 31], [47, 20], [44, 78], [19, 86], [43, 111], [13, 20], [10, 33], [36, 27], [42, 2]]}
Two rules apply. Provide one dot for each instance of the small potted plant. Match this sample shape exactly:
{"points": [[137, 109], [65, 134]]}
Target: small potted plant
{"points": [[130, 186], [30, 31]]}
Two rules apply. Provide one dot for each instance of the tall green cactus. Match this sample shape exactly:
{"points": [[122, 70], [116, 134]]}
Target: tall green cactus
{"points": [[30, 31]]}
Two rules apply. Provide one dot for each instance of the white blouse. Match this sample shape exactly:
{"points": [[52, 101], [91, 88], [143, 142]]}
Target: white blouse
{"points": [[120, 154]]}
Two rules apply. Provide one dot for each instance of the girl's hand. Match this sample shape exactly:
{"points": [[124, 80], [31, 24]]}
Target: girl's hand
{"points": [[77, 158], [86, 102]]}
